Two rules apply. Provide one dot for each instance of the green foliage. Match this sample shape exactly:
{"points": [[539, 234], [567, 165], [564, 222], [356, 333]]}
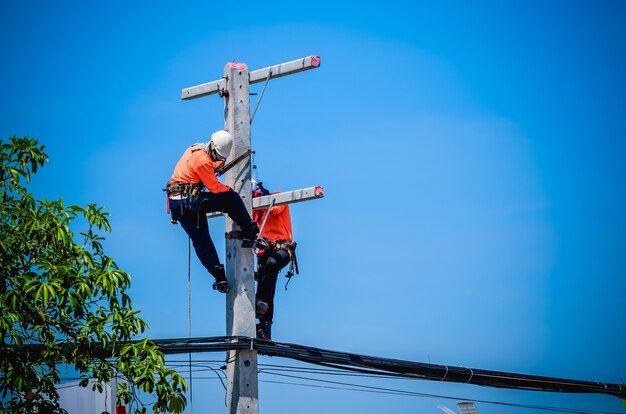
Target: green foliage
{"points": [[60, 293]]}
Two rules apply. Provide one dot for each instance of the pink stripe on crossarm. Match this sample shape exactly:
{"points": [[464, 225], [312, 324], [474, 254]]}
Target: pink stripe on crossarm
{"points": [[315, 61], [238, 66]]}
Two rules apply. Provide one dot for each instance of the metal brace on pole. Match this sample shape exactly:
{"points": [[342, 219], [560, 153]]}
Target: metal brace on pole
{"points": [[269, 75], [269, 210], [225, 167]]}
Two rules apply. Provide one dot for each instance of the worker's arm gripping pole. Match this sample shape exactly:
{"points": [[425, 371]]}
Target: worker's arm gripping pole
{"points": [[242, 389]]}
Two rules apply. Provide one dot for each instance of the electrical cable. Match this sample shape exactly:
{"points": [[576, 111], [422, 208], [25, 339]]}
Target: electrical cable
{"points": [[270, 368], [337, 372], [436, 372], [381, 390], [387, 366], [367, 365]]}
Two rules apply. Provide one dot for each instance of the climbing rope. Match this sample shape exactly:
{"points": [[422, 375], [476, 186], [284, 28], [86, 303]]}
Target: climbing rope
{"points": [[189, 320]]}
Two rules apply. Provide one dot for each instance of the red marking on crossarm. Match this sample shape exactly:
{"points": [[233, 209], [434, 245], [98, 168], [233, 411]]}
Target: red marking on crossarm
{"points": [[315, 61], [238, 66], [319, 191]]}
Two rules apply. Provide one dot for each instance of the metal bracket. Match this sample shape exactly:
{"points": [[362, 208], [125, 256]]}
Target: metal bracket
{"points": [[269, 76], [233, 162], [235, 234]]}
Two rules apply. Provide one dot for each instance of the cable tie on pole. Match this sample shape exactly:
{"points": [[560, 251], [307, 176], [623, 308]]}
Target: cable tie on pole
{"points": [[471, 376], [445, 375], [251, 344]]}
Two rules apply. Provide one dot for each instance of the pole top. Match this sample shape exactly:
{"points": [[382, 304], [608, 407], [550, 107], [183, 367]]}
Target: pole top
{"points": [[237, 66]]}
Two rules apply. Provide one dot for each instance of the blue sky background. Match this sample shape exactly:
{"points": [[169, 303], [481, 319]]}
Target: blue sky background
{"points": [[472, 155]]}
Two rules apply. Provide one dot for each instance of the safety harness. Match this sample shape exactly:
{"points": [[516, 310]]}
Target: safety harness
{"points": [[290, 247]]}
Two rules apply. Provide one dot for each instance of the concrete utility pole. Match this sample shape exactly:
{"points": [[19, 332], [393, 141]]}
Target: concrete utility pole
{"points": [[243, 390]]}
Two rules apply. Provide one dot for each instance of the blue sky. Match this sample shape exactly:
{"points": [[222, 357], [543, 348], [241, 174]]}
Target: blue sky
{"points": [[472, 155]]}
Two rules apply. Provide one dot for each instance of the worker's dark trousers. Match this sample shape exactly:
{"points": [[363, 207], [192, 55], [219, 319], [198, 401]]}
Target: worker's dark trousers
{"points": [[196, 225], [270, 263]]}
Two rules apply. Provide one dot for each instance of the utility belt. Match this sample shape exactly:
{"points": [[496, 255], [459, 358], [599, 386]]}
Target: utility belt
{"points": [[283, 244], [175, 190], [188, 193]]}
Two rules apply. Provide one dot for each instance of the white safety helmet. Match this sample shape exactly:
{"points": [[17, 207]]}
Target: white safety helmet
{"points": [[222, 143]]}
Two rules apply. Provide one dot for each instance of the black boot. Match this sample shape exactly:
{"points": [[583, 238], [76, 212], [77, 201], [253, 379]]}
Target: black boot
{"points": [[220, 284], [250, 234], [264, 331]]}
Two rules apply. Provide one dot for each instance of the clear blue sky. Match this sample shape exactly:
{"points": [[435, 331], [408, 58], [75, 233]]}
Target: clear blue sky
{"points": [[472, 153]]}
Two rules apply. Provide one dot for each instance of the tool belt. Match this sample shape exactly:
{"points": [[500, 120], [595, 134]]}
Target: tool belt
{"points": [[181, 190], [189, 194], [283, 244]]}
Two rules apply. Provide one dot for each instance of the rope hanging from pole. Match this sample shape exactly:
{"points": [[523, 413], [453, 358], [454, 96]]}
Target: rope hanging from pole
{"points": [[189, 320]]}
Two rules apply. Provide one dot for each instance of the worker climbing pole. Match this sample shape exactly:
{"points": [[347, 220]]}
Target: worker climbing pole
{"points": [[193, 191], [242, 388], [276, 231]]}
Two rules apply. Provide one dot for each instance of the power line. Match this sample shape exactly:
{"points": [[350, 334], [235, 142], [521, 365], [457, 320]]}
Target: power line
{"points": [[277, 369], [377, 366], [203, 366], [381, 390], [388, 366]]}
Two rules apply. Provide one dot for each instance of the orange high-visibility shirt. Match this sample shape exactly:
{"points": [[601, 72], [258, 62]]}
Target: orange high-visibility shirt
{"points": [[278, 225], [197, 166]]}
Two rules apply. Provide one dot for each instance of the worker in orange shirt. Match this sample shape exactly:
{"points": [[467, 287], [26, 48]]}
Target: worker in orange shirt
{"points": [[194, 190], [277, 232]]}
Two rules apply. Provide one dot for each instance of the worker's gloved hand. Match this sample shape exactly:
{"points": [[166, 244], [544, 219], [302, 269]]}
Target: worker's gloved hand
{"points": [[222, 287], [261, 191]]}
